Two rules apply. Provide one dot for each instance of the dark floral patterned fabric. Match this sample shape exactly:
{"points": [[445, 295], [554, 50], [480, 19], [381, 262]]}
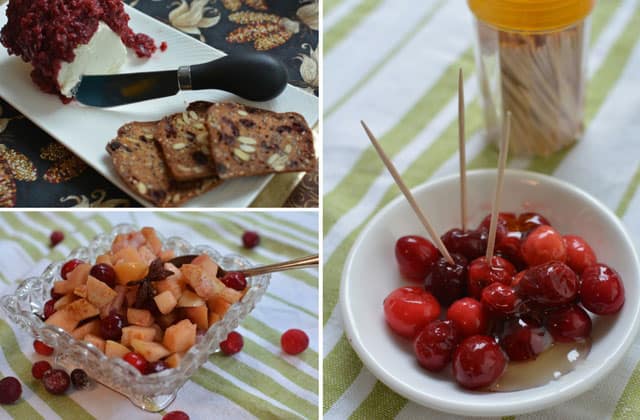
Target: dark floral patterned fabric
{"points": [[36, 171]]}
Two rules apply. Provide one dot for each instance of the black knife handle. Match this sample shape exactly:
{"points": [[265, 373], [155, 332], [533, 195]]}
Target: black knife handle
{"points": [[253, 76]]}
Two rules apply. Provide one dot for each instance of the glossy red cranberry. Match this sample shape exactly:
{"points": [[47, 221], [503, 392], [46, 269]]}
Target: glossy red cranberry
{"points": [[569, 324], [176, 415], [56, 237], [501, 299], [156, 367], [524, 339], [235, 280], [544, 244], [137, 361], [478, 362], [482, 274], [470, 244], [415, 255], [10, 390], [233, 344], [163, 46], [435, 344], [79, 379], [105, 273], [39, 368], [552, 284], [447, 282], [408, 309], [530, 221], [111, 327], [49, 308], [507, 222], [579, 253], [56, 381], [469, 316], [601, 290], [42, 348], [250, 239], [516, 279], [294, 341], [69, 266]]}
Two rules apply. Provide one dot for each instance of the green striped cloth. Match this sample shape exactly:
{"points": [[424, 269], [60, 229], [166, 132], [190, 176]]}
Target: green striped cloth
{"points": [[259, 382], [394, 65]]}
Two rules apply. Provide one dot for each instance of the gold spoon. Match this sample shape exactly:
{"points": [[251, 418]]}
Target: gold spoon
{"points": [[308, 261]]}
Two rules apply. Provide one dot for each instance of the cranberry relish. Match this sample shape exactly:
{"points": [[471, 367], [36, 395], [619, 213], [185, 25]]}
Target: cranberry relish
{"points": [[45, 33]]}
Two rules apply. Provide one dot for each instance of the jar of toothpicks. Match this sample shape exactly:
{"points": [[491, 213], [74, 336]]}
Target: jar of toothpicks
{"points": [[531, 60]]}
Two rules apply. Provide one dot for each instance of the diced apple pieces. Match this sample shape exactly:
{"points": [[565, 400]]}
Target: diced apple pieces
{"points": [[104, 259], [173, 361], [231, 295], [213, 318], [146, 254], [180, 337], [140, 317], [116, 304], [174, 283], [165, 302], [159, 333], [218, 305], [63, 301], [134, 332], [166, 255], [96, 341], [70, 316], [189, 299], [150, 350], [99, 293], [81, 291], [153, 242], [205, 285], [75, 278], [127, 240], [130, 271], [199, 316], [128, 254], [207, 264], [91, 327], [115, 349]]}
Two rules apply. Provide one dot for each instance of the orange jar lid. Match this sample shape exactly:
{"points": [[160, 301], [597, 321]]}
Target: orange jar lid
{"points": [[531, 15]]}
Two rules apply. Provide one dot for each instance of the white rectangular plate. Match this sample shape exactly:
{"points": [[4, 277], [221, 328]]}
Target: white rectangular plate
{"points": [[86, 130]]}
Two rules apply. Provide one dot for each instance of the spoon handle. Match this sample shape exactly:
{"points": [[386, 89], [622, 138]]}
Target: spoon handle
{"points": [[308, 261]]}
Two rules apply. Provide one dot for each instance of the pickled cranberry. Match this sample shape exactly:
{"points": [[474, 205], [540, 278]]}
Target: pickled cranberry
{"points": [[435, 344], [524, 339], [517, 278], [468, 316], [447, 282], [105, 273], [235, 280], [530, 221], [415, 255], [56, 381], [10, 390], [601, 290], [551, 284], [544, 244], [478, 361], [69, 266], [233, 344], [111, 327], [482, 274], [569, 324], [501, 299], [579, 253], [294, 341], [408, 309], [137, 361], [39, 368], [42, 348], [56, 237], [470, 244], [250, 239], [156, 367], [79, 379], [49, 308], [176, 415], [507, 223]]}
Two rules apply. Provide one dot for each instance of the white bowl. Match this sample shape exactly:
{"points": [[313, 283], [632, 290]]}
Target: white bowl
{"points": [[371, 274]]}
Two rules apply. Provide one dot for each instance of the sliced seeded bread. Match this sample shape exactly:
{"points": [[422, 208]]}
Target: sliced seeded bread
{"points": [[138, 160], [249, 141], [184, 140]]}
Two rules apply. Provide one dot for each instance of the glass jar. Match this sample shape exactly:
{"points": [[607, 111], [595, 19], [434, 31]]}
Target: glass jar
{"points": [[531, 60]]}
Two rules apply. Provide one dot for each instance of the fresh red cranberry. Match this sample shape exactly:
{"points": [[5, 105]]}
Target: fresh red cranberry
{"points": [[39, 368], [524, 339], [543, 244], [163, 46], [551, 284], [468, 316], [435, 344], [69, 266], [156, 367], [10, 390], [482, 274], [530, 221], [250, 239], [235, 280], [105, 273], [408, 309], [56, 381], [176, 415], [470, 244], [569, 324], [233, 344], [294, 341], [501, 299], [49, 308], [42, 348], [507, 223], [478, 362], [79, 379], [137, 361], [579, 253], [517, 278], [601, 290], [56, 237], [111, 327], [447, 282], [415, 255]]}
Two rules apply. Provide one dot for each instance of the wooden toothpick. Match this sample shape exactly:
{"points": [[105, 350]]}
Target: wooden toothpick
{"points": [[463, 158], [412, 201]]}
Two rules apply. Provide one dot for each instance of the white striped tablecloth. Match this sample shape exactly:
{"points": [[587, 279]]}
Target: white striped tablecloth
{"points": [[259, 382], [394, 64]]}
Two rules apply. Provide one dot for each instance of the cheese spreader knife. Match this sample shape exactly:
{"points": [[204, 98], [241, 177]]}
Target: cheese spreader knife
{"points": [[252, 76]]}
